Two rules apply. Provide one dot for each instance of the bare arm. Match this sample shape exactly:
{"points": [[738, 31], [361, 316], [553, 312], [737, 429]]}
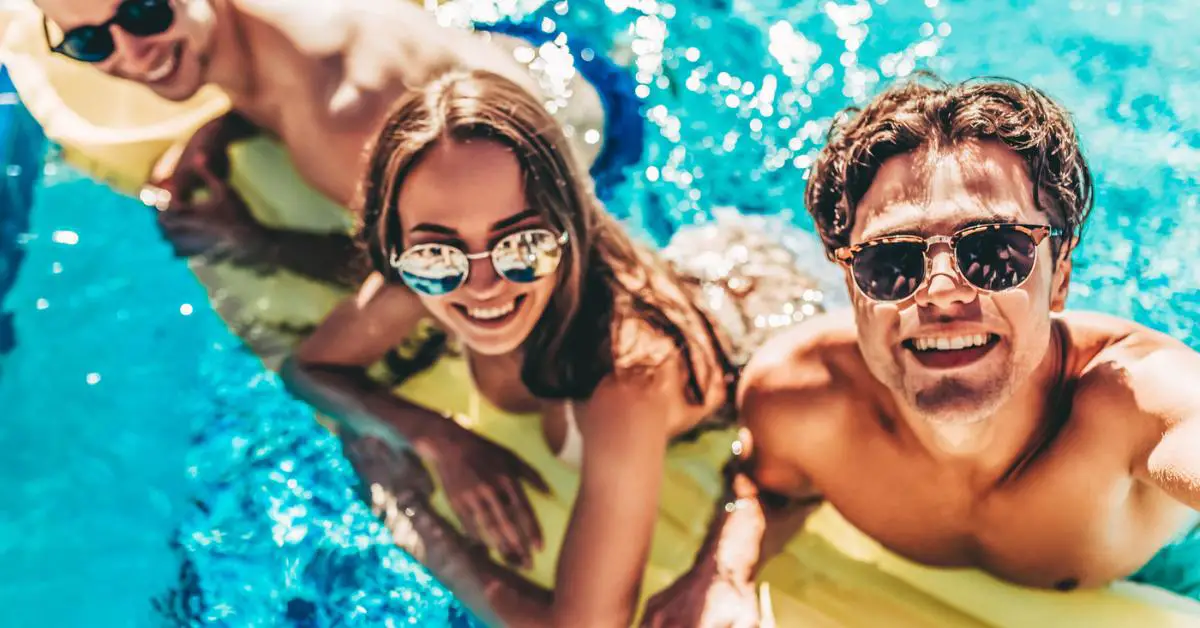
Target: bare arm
{"points": [[783, 395], [604, 553], [1161, 385], [330, 257], [201, 213], [329, 370], [625, 435], [483, 481], [768, 497]]}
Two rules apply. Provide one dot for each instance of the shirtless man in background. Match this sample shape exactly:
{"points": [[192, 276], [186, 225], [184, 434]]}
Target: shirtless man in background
{"points": [[959, 417], [318, 75]]}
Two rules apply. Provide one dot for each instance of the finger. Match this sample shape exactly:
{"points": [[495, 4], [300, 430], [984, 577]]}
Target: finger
{"points": [[217, 186], [521, 511], [505, 529], [485, 527], [529, 474], [661, 619], [650, 614], [466, 516], [766, 609], [216, 162]]}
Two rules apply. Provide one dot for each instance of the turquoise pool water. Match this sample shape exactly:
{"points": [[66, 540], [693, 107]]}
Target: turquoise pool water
{"points": [[148, 462]]}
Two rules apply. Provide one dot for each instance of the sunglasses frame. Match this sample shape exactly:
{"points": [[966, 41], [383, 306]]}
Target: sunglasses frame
{"points": [[60, 47], [396, 258], [1037, 233]]}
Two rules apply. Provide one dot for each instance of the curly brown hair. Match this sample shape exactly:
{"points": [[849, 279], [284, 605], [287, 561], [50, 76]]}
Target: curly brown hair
{"points": [[926, 113]]}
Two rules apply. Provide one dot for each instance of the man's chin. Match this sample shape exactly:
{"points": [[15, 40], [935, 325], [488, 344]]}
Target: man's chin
{"points": [[175, 93], [955, 401], [965, 414]]}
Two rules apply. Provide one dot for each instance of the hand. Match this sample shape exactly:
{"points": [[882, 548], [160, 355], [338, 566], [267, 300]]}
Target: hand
{"points": [[703, 598], [482, 482], [198, 211], [220, 224], [184, 168]]}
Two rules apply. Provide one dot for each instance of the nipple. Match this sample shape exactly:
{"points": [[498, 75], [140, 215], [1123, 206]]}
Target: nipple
{"points": [[1070, 584]]}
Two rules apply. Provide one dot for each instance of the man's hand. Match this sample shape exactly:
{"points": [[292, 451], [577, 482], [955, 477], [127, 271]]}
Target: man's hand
{"points": [[189, 166], [198, 211], [704, 598]]}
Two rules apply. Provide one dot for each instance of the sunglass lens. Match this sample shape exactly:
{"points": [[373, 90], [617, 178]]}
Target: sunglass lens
{"points": [[527, 256], [433, 269], [996, 259], [145, 17], [88, 44], [891, 271]]}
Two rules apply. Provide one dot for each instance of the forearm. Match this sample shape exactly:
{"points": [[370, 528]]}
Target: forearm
{"points": [[519, 603], [751, 526], [496, 595], [330, 257], [233, 126], [349, 395], [733, 545], [1175, 463], [453, 559]]}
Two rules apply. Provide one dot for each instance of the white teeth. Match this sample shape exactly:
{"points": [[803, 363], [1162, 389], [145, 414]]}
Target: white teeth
{"points": [[950, 343], [163, 69], [491, 313]]}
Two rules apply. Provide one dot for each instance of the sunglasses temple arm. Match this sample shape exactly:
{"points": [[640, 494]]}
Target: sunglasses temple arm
{"points": [[46, 33]]}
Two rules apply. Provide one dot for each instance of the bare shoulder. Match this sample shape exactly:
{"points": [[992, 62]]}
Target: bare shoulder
{"points": [[321, 27], [649, 362], [1131, 376], [1110, 350], [374, 39], [808, 359], [800, 389]]}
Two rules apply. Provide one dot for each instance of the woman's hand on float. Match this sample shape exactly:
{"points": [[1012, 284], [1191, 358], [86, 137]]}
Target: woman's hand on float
{"points": [[482, 481]]}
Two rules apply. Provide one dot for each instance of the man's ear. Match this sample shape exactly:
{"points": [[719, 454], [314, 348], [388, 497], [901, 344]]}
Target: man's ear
{"points": [[1061, 280]]}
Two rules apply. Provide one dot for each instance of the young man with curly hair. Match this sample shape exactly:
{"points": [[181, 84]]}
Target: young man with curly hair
{"points": [[959, 416]]}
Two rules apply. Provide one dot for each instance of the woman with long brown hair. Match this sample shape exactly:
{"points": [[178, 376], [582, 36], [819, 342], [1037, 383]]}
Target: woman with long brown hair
{"points": [[476, 214]]}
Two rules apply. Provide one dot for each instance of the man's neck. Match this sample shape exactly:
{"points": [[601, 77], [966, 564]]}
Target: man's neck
{"points": [[986, 453], [231, 66]]}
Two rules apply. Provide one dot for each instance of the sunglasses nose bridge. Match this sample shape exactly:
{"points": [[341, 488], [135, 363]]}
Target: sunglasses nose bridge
{"points": [[939, 260], [943, 283], [482, 277]]}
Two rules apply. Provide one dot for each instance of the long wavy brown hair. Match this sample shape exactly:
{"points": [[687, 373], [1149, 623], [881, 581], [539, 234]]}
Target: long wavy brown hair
{"points": [[604, 280], [926, 113]]}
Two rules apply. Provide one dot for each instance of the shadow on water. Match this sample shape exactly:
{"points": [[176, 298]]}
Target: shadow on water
{"points": [[21, 149]]}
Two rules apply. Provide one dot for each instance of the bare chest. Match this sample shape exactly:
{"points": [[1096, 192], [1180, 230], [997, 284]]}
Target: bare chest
{"points": [[322, 117], [329, 148], [1074, 518]]}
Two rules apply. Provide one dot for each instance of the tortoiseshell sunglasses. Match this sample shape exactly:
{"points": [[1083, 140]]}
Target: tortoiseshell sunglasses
{"points": [[991, 257]]}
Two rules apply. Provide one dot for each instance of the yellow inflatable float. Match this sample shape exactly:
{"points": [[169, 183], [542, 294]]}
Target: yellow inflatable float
{"points": [[829, 575]]}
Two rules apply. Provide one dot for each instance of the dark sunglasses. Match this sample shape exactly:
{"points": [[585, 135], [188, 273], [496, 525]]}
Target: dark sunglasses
{"points": [[94, 43], [991, 258], [521, 257]]}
